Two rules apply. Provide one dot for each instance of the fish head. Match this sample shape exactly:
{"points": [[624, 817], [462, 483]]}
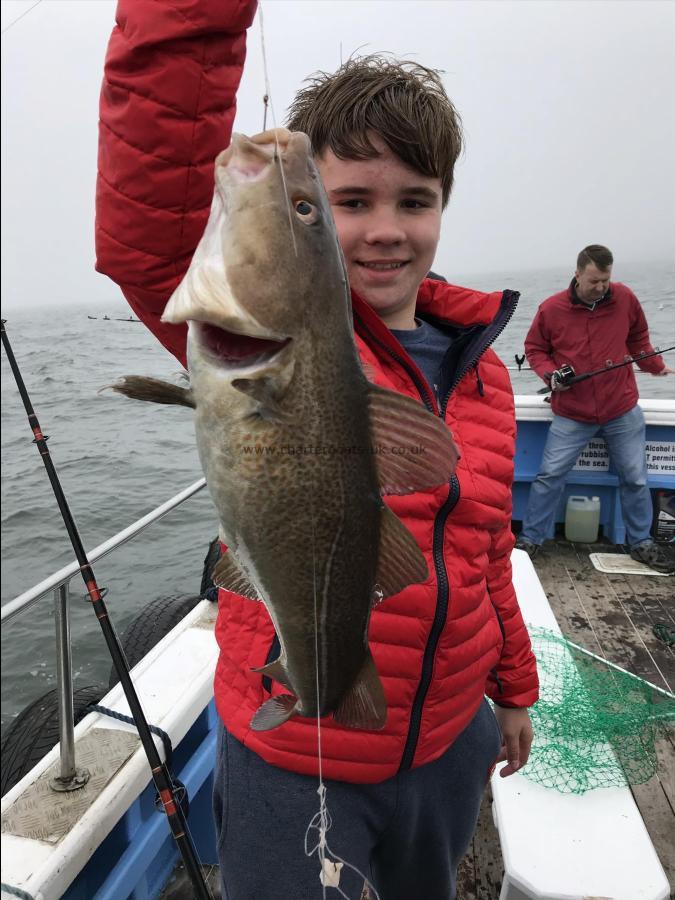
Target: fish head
{"points": [[269, 266]]}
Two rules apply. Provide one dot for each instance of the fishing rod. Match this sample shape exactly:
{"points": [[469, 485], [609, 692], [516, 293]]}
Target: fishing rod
{"points": [[161, 775], [566, 376]]}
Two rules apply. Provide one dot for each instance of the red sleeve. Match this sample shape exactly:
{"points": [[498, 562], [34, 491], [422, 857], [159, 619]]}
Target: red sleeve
{"points": [[638, 339], [166, 110], [514, 682], [538, 347]]}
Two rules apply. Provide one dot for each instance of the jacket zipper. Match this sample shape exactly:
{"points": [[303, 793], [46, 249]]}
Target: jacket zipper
{"points": [[440, 616], [470, 358]]}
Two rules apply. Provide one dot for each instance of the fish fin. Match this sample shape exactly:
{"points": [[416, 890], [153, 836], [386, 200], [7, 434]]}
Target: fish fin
{"points": [[229, 575], [277, 671], [274, 712], [138, 387], [369, 371], [414, 450], [265, 392], [400, 561], [364, 705]]}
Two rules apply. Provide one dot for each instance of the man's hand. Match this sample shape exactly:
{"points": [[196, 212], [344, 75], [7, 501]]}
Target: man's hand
{"points": [[517, 730], [557, 384], [664, 371]]}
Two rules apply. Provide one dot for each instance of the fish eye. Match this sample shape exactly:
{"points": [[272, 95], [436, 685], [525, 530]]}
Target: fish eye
{"points": [[306, 211]]}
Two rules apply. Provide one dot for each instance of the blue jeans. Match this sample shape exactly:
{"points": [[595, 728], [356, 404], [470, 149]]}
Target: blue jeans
{"points": [[625, 437], [406, 834]]}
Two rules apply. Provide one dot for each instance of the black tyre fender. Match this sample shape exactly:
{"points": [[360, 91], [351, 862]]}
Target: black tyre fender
{"points": [[150, 625], [207, 588], [36, 730]]}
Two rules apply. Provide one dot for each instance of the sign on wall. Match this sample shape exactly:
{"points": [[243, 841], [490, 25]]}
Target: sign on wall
{"points": [[660, 457]]}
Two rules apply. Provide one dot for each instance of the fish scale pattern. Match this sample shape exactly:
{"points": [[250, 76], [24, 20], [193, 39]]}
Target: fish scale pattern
{"points": [[469, 636]]}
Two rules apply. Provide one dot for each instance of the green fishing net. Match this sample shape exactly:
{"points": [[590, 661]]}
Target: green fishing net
{"points": [[595, 726]]}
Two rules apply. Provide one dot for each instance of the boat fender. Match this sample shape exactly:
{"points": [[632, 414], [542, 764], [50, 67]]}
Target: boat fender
{"points": [[208, 590]]}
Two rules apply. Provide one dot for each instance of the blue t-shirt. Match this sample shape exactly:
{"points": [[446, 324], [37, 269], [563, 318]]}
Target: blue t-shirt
{"points": [[427, 346]]}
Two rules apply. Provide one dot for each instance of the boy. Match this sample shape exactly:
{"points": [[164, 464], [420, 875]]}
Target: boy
{"points": [[403, 801]]}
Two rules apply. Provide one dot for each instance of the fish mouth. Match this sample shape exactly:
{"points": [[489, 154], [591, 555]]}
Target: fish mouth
{"points": [[237, 351]]}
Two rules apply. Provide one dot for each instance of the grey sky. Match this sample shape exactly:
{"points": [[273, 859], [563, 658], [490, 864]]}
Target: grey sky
{"points": [[569, 110]]}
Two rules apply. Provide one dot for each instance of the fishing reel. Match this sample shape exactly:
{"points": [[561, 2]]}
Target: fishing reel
{"points": [[561, 377]]}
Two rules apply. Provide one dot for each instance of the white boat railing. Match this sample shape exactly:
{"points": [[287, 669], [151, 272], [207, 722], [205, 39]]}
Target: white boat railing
{"points": [[59, 582]]}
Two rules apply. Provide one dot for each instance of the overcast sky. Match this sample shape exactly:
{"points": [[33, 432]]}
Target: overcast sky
{"points": [[569, 110]]}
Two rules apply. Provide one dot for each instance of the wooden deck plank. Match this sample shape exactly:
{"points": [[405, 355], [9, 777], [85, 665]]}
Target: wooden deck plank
{"points": [[613, 616], [479, 876]]}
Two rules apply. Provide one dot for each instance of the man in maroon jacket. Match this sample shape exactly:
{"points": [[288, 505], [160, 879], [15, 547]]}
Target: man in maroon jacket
{"points": [[593, 321]]}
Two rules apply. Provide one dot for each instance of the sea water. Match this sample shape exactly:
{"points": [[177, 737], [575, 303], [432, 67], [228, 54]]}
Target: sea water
{"points": [[118, 460]]}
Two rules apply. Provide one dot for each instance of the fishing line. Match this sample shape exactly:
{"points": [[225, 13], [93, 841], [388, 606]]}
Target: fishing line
{"points": [[322, 820], [277, 153], [24, 13]]}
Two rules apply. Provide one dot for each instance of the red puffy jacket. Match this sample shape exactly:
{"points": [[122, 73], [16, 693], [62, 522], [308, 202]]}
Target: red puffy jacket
{"points": [[166, 111], [567, 332]]}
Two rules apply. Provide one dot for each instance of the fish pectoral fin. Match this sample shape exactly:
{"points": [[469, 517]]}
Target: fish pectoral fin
{"points": [[364, 705], [414, 449], [229, 575], [400, 561], [277, 671], [274, 712], [266, 392], [139, 387]]}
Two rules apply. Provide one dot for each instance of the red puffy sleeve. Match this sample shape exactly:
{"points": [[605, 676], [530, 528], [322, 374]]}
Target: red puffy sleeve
{"points": [[167, 106]]}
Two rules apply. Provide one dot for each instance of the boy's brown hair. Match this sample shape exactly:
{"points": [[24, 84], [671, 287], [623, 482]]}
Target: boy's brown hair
{"points": [[402, 102], [600, 256]]}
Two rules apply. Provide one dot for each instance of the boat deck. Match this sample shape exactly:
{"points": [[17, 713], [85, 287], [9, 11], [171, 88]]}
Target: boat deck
{"points": [[613, 616]]}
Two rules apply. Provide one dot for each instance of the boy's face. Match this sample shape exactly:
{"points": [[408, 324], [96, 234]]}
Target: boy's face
{"points": [[388, 219]]}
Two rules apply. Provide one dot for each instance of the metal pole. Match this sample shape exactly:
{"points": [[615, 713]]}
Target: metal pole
{"points": [[71, 778]]}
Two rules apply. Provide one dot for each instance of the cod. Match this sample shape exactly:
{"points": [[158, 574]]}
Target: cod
{"points": [[297, 446]]}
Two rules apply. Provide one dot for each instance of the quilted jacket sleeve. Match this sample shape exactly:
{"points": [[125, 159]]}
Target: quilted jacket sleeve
{"points": [[514, 681], [167, 106]]}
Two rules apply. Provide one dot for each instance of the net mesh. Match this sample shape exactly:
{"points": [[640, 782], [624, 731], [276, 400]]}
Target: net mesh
{"points": [[594, 726]]}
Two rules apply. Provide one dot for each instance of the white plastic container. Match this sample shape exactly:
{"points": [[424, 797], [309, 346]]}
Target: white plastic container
{"points": [[582, 519]]}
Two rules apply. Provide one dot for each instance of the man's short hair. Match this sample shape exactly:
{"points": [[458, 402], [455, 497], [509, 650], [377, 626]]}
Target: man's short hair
{"points": [[402, 102], [600, 256]]}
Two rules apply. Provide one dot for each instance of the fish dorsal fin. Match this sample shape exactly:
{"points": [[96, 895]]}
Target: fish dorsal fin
{"points": [[364, 704], [274, 712], [400, 561], [414, 450], [228, 574]]}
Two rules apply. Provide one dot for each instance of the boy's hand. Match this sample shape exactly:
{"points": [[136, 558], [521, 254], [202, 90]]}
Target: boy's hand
{"points": [[517, 730]]}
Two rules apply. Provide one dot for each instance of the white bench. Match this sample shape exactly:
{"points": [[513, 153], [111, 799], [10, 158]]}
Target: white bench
{"points": [[591, 846]]}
